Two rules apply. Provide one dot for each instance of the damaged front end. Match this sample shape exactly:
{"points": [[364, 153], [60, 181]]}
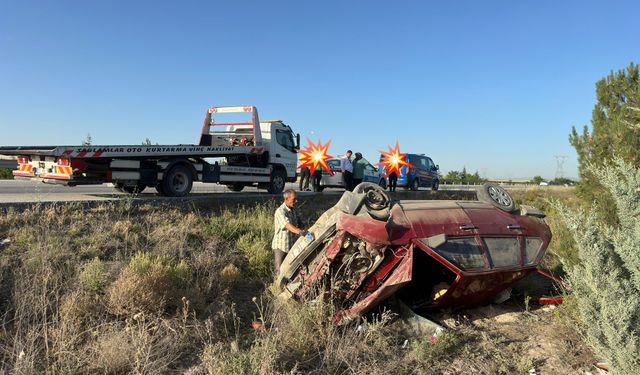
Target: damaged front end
{"points": [[431, 254]]}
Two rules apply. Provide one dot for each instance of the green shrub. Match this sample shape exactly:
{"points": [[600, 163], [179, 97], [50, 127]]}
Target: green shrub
{"points": [[258, 253], [606, 281], [145, 264], [94, 276], [5, 174], [149, 284]]}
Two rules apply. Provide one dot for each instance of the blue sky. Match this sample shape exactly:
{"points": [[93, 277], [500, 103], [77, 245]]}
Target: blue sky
{"points": [[491, 86]]}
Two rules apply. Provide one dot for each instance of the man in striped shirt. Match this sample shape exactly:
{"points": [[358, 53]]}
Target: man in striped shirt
{"points": [[287, 228]]}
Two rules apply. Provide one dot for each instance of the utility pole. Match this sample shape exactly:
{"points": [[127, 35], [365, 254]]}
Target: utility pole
{"points": [[560, 159]]}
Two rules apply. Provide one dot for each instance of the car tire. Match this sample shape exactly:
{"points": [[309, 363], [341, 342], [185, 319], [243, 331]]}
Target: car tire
{"points": [[278, 179], [235, 187], [415, 184], [496, 196], [436, 185], [177, 182], [383, 183], [376, 199]]}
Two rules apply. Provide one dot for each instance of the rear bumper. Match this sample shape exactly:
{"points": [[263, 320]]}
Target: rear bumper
{"points": [[23, 174]]}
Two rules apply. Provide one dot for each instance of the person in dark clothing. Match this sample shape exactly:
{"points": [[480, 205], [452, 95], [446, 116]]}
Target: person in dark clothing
{"points": [[393, 181], [317, 176], [305, 176], [359, 165], [347, 170]]}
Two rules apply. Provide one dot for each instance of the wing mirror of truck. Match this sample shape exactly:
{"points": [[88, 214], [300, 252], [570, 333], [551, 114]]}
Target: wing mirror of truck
{"points": [[298, 141], [437, 167]]}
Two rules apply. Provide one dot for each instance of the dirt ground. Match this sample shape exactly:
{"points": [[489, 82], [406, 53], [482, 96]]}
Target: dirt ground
{"points": [[508, 336]]}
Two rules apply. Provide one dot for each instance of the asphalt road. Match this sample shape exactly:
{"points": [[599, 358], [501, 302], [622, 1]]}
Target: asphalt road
{"points": [[24, 191], [29, 191]]}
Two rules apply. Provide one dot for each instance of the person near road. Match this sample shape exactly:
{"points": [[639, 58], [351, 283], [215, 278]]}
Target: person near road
{"points": [[358, 169], [317, 176], [287, 227], [347, 170], [393, 181], [305, 175]]}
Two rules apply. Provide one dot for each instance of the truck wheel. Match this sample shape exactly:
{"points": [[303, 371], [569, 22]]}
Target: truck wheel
{"points": [[415, 184], [436, 185], [496, 196], [277, 182], [235, 187], [178, 182]]}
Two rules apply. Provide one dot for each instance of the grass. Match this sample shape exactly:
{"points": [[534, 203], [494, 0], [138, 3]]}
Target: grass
{"points": [[125, 288]]}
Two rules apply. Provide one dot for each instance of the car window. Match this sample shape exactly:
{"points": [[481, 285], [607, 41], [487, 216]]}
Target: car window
{"points": [[429, 163], [504, 251], [369, 167], [334, 163], [464, 252], [532, 246], [423, 163]]}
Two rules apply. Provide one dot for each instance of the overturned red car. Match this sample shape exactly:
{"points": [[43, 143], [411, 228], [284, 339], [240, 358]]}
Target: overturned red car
{"points": [[431, 254]]}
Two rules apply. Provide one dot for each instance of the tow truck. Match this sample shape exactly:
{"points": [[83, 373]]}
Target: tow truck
{"points": [[239, 153]]}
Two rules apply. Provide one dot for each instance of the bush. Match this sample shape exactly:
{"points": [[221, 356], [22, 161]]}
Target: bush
{"points": [[94, 276], [258, 252], [148, 285], [606, 281], [5, 174]]}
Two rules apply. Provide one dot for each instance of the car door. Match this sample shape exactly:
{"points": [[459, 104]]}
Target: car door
{"points": [[336, 179], [370, 173], [430, 172], [423, 172]]}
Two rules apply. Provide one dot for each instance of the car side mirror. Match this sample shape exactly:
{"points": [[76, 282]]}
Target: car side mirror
{"points": [[437, 167]]}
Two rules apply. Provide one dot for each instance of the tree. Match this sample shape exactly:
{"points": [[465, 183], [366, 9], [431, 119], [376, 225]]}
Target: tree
{"points": [[605, 282], [453, 176], [464, 176], [536, 180], [87, 140], [615, 132]]}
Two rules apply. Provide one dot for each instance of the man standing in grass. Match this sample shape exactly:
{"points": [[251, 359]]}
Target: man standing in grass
{"points": [[287, 227]]}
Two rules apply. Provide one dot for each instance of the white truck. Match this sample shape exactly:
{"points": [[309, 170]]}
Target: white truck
{"points": [[235, 154]]}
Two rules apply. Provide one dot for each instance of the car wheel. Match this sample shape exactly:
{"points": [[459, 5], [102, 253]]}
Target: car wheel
{"points": [[383, 183], [277, 182], [415, 184], [178, 182], [496, 196], [235, 187], [376, 199], [436, 185]]}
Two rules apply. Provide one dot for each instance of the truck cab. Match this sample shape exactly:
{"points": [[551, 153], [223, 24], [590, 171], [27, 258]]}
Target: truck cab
{"points": [[282, 144]]}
